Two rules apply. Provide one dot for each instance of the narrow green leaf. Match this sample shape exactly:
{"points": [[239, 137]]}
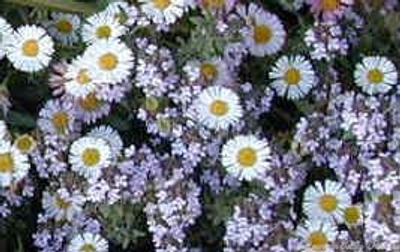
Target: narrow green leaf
{"points": [[60, 5]]}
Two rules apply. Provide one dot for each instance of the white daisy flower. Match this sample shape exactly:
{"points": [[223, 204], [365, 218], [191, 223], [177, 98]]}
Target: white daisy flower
{"points": [[5, 32], [246, 157], [88, 156], [62, 205], [25, 143], [14, 165], [123, 12], [111, 61], [57, 117], [91, 108], [293, 77], [79, 81], [375, 75], [102, 26], [88, 242], [326, 201], [64, 27], [214, 71], [218, 108], [317, 236], [266, 36], [110, 135], [163, 11], [29, 48]]}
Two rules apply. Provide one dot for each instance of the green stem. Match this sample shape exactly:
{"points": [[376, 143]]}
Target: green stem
{"points": [[60, 5]]}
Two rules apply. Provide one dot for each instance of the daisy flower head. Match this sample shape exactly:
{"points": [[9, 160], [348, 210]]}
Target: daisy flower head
{"points": [[88, 242], [102, 26], [57, 118], [64, 27], [375, 74], [25, 143], [246, 157], [265, 36], [14, 165], [123, 12], [110, 135], [329, 9], [163, 11], [317, 235], [89, 155], [5, 32], [62, 205], [78, 79], [91, 108], [29, 48], [111, 61], [218, 108], [325, 201], [293, 77], [214, 71]]}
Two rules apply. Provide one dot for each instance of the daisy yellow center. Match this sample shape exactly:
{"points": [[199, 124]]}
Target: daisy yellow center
{"points": [[209, 71], [60, 120], [6, 163], [83, 77], [219, 108], [108, 61], [91, 157], [103, 32], [90, 102], [161, 4], [64, 26], [292, 76], [30, 48], [317, 239], [328, 203], [214, 3], [375, 76], [25, 143], [87, 248], [62, 203], [247, 157], [262, 34], [352, 214], [329, 5]]}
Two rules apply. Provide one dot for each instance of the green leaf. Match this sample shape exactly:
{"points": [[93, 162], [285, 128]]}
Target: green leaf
{"points": [[21, 120], [59, 5]]}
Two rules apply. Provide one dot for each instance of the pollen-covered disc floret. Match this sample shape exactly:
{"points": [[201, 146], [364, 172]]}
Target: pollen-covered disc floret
{"points": [[246, 157]]}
